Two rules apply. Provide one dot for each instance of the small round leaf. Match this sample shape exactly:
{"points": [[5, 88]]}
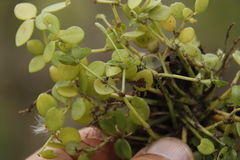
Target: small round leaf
{"points": [[160, 13], [201, 5], [102, 88], [35, 47], [45, 102], [24, 32], [52, 23], [25, 11], [48, 154], [133, 34], [55, 7], [36, 64], [48, 51], [134, 3], [206, 147], [123, 149], [69, 134], [72, 35], [54, 118]]}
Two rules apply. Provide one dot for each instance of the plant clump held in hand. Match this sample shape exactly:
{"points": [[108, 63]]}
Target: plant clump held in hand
{"points": [[137, 95]]}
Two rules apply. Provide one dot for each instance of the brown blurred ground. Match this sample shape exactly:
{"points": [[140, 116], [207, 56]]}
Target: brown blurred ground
{"points": [[18, 88]]}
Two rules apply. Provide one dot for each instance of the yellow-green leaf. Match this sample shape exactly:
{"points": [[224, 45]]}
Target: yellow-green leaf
{"points": [[55, 7], [36, 64], [24, 32], [25, 11]]}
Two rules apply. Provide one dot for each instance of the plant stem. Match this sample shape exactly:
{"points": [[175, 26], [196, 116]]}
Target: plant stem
{"points": [[216, 103], [100, 78], [101, 50], [107, 2], [161, 39], [45, 41], [123, 79], [202, 129], [236, 118], [144, 123], [193, 130], [45, 145], [144, 6], [204, 81], [115, 13], [169, 103]]}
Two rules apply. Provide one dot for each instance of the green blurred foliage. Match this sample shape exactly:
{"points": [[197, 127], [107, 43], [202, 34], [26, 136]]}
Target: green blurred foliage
{"points": [[18, 88]]}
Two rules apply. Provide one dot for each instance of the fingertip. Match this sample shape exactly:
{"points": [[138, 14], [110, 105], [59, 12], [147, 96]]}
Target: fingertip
{"points": [[166, 149]]}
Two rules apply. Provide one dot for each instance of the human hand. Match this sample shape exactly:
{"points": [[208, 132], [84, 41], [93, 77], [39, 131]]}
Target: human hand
{"points": [[162, 149]]}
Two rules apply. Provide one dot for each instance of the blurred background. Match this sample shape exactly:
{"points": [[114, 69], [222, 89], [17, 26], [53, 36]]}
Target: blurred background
{"points": [[19, 88]]}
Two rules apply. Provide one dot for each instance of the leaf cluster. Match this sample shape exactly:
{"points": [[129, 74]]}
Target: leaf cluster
{"points": [[153, 85]]}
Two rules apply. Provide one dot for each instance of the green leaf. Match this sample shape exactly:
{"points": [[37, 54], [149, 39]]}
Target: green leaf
{"points": [[102, 88], [56, 95], [36, 64], [201, 5], [227, 153], [143, 80], [228, 140], [236, 56], [134, 3], [24, 32], [81, 111], [142, 109], [67, 91], [39, 22], [24, 11], [67, 60], [56, 145], [206, 147], [120, 53], [152, 5], [45, 102], [120, 119], [52, 23], [98, 67], [72, 35], [48, 51], [235, 95], [63, 83], [79, 53], [83, 81], [123, 149], [48, 154], [78, 109], [54, 118], [68, 72], [55, 7], [133, 34], [219, 83], [35, 47], [113, 121], [177, 10], [160, 13], [112, 71], [237, 125], [55, 58], [69, 134]]}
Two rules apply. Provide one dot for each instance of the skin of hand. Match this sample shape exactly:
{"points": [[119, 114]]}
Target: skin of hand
{"points": [[162, 149]]}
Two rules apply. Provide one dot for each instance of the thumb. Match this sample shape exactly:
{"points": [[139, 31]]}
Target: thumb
{"points": [[165, 149]]}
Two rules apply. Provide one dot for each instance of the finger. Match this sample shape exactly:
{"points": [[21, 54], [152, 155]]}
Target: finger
{"points": [[92, 137], [165, 149]]}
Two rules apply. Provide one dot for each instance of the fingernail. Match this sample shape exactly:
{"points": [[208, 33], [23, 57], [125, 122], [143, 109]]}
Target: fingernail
{"points": [[171, 148]]}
